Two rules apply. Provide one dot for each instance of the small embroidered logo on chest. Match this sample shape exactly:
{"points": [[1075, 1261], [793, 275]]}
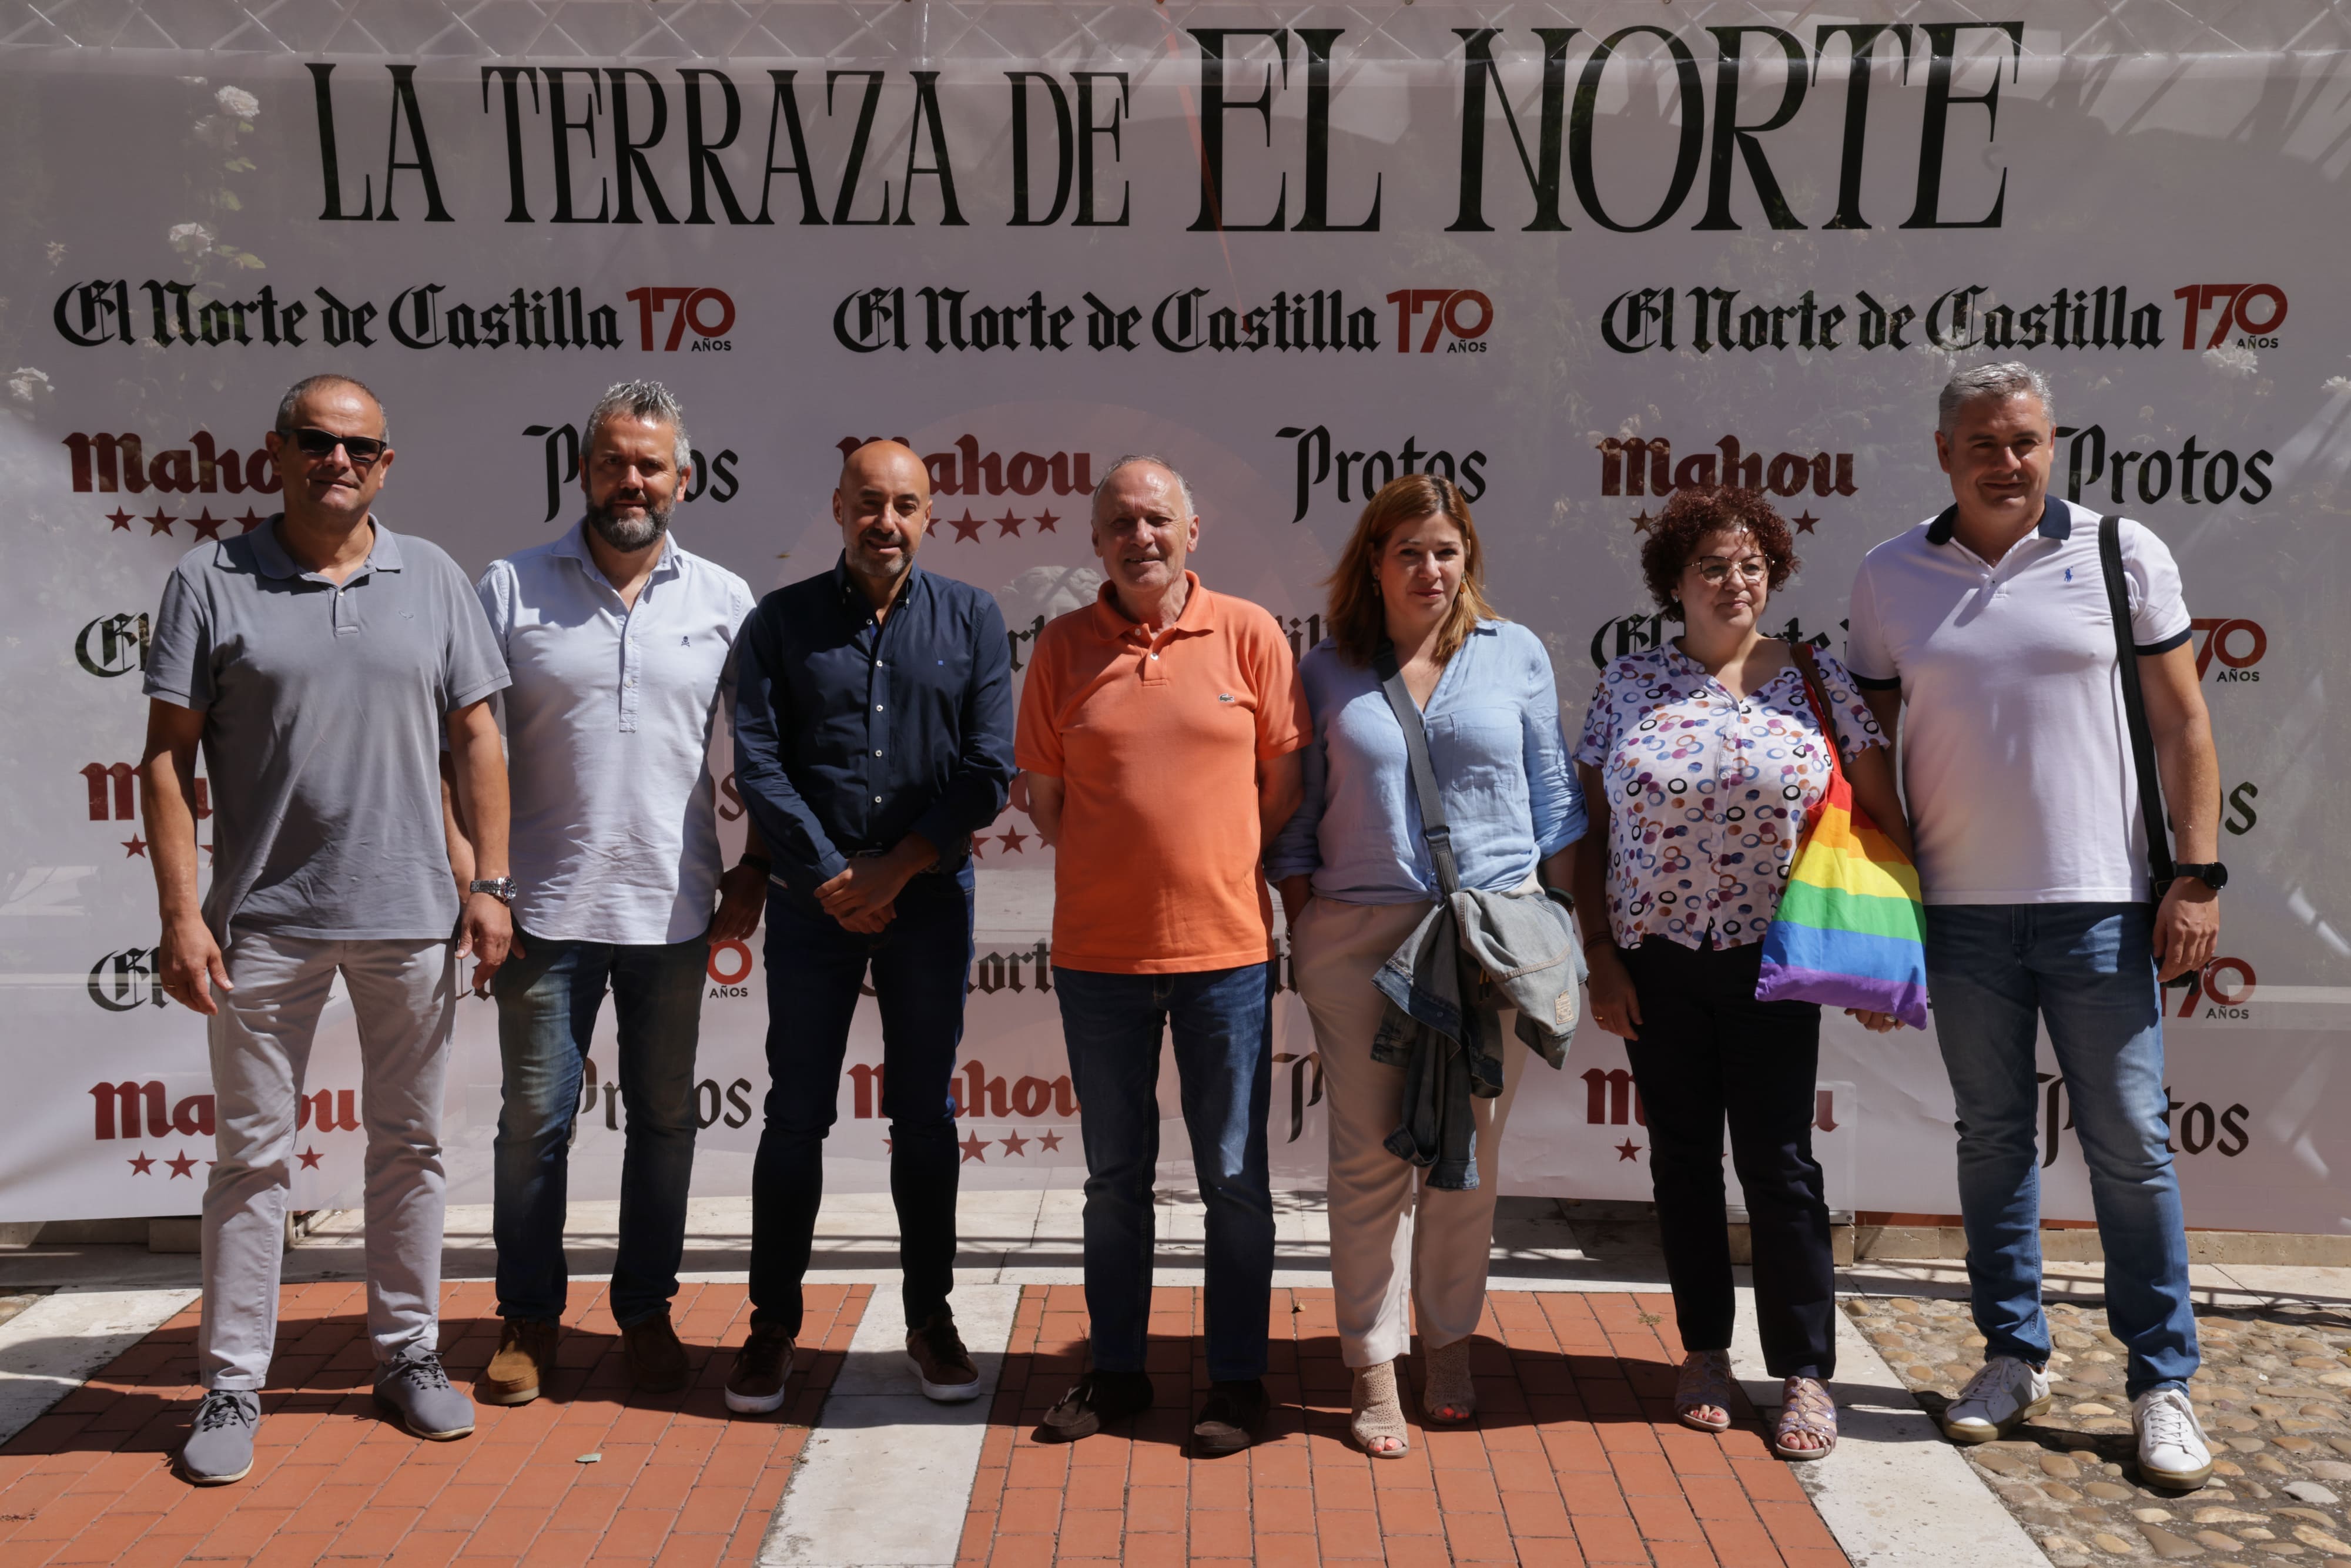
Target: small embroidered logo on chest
{"points": [[1223, 697], [408, 615], [686, 640], [2069, 574]]}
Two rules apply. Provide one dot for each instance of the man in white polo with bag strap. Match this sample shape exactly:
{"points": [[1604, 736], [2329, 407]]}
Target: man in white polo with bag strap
{"points": [[1988, 635]]}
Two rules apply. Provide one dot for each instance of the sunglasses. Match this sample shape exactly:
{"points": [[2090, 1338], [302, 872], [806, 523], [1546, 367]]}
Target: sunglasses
{"points": [[361, 449]]}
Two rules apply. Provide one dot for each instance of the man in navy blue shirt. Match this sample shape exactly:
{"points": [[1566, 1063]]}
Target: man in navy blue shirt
{"points": [[872, 737]]}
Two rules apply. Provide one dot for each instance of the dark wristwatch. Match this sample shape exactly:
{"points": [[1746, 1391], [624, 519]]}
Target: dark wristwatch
{"points": [[501, 888], [2212, 874]]}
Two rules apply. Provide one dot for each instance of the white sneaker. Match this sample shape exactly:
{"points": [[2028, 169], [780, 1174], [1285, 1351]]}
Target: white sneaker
{"points": [[2171, 1447], [1997, 1400]]}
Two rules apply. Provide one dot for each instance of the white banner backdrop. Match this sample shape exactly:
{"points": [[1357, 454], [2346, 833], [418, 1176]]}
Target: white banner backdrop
{"points": [[1573, 258]]}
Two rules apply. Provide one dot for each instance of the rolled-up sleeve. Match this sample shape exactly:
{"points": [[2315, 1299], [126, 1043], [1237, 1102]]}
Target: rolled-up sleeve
{"points": [[1556, 802]]}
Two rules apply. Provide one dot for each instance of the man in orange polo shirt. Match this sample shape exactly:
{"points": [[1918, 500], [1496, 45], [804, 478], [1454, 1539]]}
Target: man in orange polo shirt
{"points": [[1159, 729]]}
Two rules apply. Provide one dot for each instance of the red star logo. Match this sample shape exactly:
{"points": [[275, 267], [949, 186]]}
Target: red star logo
{"points": [[158, 521], [1010, 523], [251, 520], [134, 845], [1045, 521], [966, 526], [143, 1165], [975, 1149], [1641, 520], [120, 518], [311, 1158], [1016, 1144], [1628, 1150], [182, 1166], [207, 527], [1012, 839], [1804, 521], [976, 843], [206, 847], [1050, 1142]]}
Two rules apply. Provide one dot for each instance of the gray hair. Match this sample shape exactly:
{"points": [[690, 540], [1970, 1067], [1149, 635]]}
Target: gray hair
{"points": [[2013, 378], [640, 399], [309, 384], [1129, 461]]}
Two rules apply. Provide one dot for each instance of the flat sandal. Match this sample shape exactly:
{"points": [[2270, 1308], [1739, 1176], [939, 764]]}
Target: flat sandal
{"points": [[1705, 1380], [1805, 1407]]}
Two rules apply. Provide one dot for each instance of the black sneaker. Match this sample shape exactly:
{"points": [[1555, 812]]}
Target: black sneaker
{"points": [[1100, 1397], [1232, 1419]]}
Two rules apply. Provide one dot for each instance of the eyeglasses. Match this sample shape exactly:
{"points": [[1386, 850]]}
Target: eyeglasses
{"points": [[363, 450], [1752, 569]]}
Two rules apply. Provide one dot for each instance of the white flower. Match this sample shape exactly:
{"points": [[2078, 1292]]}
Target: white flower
{"points": [[2232, 360], [238, 103], [28, 384], [2336, 384], [191, 239]]}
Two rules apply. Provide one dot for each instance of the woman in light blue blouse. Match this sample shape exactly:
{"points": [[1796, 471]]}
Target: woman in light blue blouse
{"points": [[1356, 879]]}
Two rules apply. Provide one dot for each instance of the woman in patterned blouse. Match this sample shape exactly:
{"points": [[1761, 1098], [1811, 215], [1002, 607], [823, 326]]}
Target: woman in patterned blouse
{"points": [[1701, 762]]}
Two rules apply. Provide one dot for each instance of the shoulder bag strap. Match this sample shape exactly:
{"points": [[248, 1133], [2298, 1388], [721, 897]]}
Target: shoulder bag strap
{"points": [[1811, 671], [1423, 772], [2142, 739]]}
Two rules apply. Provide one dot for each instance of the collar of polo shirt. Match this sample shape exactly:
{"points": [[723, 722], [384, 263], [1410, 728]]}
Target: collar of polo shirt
{"points": [[2057, 522], [271, 559]]}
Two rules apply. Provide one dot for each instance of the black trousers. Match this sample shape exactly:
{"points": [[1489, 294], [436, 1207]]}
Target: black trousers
{"points": [[1710, 1050]]}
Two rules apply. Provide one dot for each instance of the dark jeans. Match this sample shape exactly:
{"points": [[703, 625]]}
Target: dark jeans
{"points": [[548, 996], [1710, 1049], [1998, 972], [815, 972], [1222, 1022]]}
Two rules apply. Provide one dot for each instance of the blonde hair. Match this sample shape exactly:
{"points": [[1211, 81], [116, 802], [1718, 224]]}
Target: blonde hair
{"points": [[1358, 615]]}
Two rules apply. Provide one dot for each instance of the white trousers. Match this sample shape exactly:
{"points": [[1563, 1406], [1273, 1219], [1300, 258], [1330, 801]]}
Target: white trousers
{"points": [[405, 999], [1391, 1236]]}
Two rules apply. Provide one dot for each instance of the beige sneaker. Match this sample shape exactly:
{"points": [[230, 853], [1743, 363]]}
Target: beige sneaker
{"points": [[525, 1351], [941, 1364]]}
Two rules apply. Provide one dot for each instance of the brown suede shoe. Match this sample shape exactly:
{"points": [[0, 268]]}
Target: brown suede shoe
{"points": [[655, 1359], [756, 1386], [525, 1351], [942, 1366]]}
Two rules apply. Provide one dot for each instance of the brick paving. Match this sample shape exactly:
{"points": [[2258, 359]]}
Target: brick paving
{"points": [[679, 1482], [1574, 1458]]}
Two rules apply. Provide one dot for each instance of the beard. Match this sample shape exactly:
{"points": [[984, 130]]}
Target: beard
{"points": [[629, 533]]}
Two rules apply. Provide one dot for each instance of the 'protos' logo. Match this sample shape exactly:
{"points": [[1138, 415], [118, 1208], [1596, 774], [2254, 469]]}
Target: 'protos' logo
{"points": [[2237, 645], [707, 311], [2234, 305], [1462, 314]]}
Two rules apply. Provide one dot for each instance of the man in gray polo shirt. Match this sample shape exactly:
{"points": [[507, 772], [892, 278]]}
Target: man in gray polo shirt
{"points": [[1985, 639], [620, 645], [318, 661]]}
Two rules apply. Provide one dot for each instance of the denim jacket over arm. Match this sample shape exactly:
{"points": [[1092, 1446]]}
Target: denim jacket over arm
{"points": [[851, 733]]}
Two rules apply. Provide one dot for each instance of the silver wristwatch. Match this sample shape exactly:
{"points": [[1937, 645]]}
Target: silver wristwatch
{"points": [[501, 888]]}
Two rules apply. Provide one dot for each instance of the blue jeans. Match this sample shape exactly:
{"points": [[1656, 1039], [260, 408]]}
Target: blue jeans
{"points": [[816, 971], [2088, 970], [1222, 1021], [547, 996]]}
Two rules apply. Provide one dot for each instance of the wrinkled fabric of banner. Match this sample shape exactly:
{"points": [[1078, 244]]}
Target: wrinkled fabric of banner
{"points": [[1573, 258]]}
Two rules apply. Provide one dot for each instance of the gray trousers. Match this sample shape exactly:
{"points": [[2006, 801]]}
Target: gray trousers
{"points": [[404, 998]]}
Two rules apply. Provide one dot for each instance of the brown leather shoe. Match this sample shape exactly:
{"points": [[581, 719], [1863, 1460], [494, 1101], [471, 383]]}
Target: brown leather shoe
{"points": [[655, 1359], [942, 1365], [525, 1351], [755, 1387]]}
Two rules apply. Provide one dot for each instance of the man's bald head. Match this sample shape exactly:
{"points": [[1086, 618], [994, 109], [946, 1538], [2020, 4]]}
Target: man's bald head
{"points": [[883, 504]]}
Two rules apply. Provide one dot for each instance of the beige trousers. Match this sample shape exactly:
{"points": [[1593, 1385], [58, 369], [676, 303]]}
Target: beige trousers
{"points": [[1389, 1234]]}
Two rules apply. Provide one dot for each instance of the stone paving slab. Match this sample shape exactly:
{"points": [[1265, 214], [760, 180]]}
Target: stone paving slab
{"points": [[675, 1480], [2272, 1395]]}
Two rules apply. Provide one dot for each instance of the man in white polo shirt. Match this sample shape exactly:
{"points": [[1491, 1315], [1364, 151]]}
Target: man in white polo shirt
{"points": [[1987, 634], [620, 645]]}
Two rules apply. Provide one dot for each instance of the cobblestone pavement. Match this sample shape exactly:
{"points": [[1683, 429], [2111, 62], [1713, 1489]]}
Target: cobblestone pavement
{"points": [[2271, 1396]]}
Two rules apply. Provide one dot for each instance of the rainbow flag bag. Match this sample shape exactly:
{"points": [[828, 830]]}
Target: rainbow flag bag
{"points": [[1850, 931]]}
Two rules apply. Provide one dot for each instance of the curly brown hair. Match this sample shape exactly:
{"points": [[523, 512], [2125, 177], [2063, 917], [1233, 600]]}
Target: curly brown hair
{"points": [[1696, 511]]}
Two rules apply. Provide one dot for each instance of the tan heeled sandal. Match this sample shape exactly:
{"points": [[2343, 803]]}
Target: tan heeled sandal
{"points": [[1378, 1426], [1446, 1394]]}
